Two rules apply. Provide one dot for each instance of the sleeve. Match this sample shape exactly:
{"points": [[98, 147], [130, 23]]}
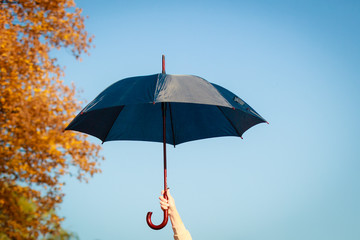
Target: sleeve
{"points": [[181, 233]]}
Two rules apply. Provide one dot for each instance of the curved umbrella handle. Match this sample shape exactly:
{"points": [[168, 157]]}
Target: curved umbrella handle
{"points": [[164, 222]]}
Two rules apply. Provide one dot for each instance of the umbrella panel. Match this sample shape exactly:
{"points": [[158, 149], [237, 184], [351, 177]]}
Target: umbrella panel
{"points": [[97, 123]]}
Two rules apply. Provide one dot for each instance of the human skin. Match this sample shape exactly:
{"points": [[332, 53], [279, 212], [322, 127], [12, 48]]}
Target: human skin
{"points": [[180, 232], [170, 206]]}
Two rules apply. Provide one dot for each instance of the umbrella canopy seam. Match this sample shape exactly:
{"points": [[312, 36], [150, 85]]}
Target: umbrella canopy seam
{"points": [[122, 108], [220, 94], [229, 121], [157, 90]]}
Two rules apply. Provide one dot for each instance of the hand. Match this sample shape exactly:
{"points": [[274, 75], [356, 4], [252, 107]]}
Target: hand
{"points": [[167, 204]]}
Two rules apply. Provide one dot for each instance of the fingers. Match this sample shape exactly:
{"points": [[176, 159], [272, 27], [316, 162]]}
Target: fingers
{"points": [[163, 200], [167, 192], [164, 203], [164, 206]]}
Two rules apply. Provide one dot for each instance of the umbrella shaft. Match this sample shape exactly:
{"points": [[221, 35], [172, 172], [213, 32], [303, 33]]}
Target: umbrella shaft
{"points": [[163, 108]]}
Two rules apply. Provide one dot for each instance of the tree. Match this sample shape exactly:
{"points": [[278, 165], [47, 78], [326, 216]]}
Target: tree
{"points": [[30, 209], [35, 106]]}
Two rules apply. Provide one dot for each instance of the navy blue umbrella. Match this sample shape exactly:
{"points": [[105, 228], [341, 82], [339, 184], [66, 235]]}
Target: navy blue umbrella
{"points": [[165, 108]]}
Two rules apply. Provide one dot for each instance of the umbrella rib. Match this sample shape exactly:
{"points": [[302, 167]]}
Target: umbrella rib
{"points": [[222, 97], [172, 125], [122, 107], [229, 121]]}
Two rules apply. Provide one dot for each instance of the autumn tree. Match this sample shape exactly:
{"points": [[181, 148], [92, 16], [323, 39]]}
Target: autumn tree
{"points": [[35, 107]]}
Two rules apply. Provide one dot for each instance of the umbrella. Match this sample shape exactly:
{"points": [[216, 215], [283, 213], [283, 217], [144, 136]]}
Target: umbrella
{"points": [[165, 108]]}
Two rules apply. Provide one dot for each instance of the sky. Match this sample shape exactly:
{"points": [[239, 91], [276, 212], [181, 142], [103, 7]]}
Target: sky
{"points": [[295, 62]]}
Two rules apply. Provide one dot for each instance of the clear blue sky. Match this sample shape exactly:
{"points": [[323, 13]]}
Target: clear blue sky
{"points": [[295, 62]]}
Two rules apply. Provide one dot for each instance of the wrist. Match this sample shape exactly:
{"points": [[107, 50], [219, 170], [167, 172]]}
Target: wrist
{"points": [[172, 211]]}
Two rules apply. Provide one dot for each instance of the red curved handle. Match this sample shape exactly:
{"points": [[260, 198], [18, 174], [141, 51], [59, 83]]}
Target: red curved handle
{"points": [[164, 222]]}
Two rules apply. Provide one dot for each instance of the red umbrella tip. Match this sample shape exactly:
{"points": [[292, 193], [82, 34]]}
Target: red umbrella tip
{"points": [[267, 122], [233, 108], [241, 137], [163, 64]]}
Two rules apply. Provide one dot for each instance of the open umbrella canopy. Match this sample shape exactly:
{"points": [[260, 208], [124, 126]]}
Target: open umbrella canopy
{"points": [[130, 109]]}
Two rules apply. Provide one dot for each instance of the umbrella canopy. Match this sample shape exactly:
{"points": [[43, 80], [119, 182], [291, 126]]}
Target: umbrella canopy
{"points": [[196, 109]]}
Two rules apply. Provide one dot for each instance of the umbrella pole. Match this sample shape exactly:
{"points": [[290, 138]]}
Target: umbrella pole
{"points": [[163, 108], [148, 216]]}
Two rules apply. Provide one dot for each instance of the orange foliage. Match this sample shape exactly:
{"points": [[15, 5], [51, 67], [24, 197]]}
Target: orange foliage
{"points": [[35, 107]]}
